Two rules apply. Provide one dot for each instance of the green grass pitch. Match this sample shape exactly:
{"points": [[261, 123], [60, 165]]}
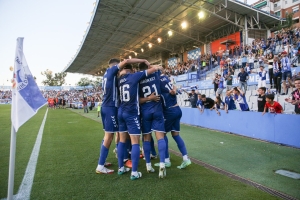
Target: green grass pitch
{"points": [[68, 158]]}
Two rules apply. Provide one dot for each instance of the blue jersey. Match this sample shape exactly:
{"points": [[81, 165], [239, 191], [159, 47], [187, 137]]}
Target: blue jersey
{"points": [[166, 86], [230, 103], [262, 75], [146, 88], [129, 87], [285, 65], [109, 86]]}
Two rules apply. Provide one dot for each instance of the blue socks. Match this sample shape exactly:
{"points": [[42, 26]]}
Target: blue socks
{"points": [[161, 149], [135, 156], [167, 147], [103, 154], [147, 149], [153, 152], [180, 144], [121, 149]]}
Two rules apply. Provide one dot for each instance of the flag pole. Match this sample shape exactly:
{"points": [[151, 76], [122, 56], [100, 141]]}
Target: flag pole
{"points": [[12, 158]]}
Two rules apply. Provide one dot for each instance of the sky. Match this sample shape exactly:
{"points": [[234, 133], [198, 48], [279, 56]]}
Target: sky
{"points": [[52, 32]]}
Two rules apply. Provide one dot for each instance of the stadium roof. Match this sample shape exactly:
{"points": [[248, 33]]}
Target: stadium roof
{"points": [[122, 28]]}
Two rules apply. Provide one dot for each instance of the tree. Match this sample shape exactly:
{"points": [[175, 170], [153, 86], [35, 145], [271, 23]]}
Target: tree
{"points": [[287, 24], [84, 82], [57, 80], [97, 82]]}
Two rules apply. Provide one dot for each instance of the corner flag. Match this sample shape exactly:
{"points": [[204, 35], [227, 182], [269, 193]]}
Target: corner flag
{"points": [[26, 96], [26, 100]]}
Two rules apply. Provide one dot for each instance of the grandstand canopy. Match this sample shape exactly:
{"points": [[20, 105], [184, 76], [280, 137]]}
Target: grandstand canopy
{"points": [[122, 28]]}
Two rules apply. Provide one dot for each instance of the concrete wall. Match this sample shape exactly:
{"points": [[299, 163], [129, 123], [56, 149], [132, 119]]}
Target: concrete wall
{"points": [[280, 128]]}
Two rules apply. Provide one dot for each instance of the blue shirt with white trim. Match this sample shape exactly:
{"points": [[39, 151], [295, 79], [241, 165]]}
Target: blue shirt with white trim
{"points": [[109, 86], [146, 87], [129, 87]]}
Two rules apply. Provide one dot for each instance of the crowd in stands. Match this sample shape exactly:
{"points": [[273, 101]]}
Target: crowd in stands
{"points": [[285, 40], [5, 96]]}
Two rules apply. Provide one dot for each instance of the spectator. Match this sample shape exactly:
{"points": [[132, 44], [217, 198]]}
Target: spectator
{"points": [[84, 104], [243, 77], [244, 60], [239, 97], [207, 102], [228, 79], [261, 100], [199, 103], [219, 104], [229, 102], [277, 75], [295, 96], [273, 106], [192, 98], [270, 58], [220, 86], [215, 82], [286, 71], [262, 77]]}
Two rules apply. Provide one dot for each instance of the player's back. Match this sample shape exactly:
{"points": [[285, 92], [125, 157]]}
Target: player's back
{"points": [[166, 86], [109, 85], [128, 86], [147, 86]]}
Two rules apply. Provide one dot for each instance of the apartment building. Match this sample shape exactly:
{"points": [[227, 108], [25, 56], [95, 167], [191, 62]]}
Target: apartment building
{"points": [[280, 8]]}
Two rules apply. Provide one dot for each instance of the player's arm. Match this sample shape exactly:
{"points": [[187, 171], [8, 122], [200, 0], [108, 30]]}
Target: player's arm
{"points": [[265, 108], [132, 61], [154, 68], [151, 97]]}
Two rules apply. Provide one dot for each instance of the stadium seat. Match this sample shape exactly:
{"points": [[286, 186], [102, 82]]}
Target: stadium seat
{"points": [[254, 92], [187, 103], [288, 108], [248, 94], [253, 102], [251, 87], [281, 99]]}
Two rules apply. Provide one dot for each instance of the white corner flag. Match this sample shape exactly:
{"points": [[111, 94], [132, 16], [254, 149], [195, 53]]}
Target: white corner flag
{"points": [[26, 101], [26, 95]]}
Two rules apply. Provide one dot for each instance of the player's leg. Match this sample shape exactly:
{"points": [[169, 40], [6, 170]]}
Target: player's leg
{"points": [[121, 149], [117, 139], [146, 130], [153, 154], [179, 141], [147, 150], [159, 128], [109, 122], [134, 130], [122, 143], [135, 156]]}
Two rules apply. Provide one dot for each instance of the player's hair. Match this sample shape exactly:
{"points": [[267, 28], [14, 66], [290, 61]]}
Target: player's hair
{"points": [[203, 96], [297, 79], [270, 96], [113, 60], [263, 89], [128, 66], [143, 66]]}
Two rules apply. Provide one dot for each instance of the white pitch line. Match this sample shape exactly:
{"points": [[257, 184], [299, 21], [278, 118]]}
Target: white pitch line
{"points": [[26, 185]]}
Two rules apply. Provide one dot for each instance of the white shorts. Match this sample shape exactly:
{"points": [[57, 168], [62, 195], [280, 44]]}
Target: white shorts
{"points": [[261, 83]]}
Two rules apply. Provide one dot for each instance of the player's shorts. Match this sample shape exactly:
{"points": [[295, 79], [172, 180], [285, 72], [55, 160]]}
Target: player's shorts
{"points": [[172, 119], [152, 122], [109, 119], [129, 122], [285, 75]]}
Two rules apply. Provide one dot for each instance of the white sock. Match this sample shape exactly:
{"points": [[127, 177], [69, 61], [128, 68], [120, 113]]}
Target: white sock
{"points": [[121, 169], [134, 174], [148, 164], [100, 167], [167, 160], [162, 165], [185, 158]]}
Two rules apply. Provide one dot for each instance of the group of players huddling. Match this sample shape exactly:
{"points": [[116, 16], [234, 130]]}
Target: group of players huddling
{"points": [[135, 103]]}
